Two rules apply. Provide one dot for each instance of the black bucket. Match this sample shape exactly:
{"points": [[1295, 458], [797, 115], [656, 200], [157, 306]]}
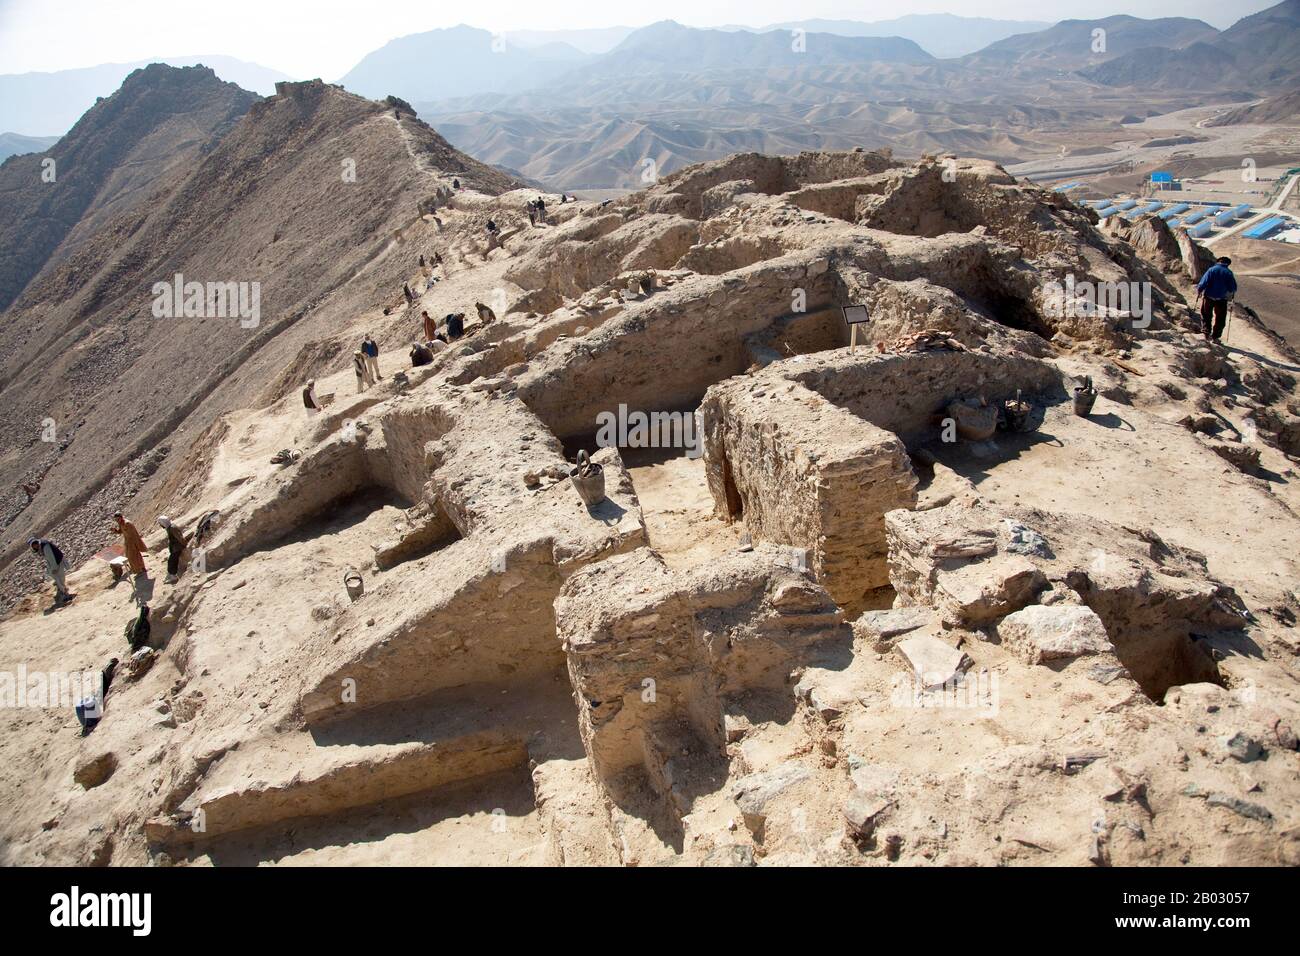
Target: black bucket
{"points": [[1084, 398]]}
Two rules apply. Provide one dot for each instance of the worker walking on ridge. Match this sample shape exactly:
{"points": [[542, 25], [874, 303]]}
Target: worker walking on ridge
{"points": [[430, 326], [370, 349], [309, 400], [176, 542], [132, 544], [493, 237], [362, 369], [55, 566], [1215, 290]]}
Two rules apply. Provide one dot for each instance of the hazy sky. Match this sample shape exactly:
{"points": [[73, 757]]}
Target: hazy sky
{"points": [[325, 38]]}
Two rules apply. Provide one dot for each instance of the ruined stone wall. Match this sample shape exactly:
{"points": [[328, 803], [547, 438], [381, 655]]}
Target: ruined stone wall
{"points": [[467, 630], [839, 199], [664, 352], [304, 490], [406, 431], [634, 662], [903, 393], [650, 649], [800, 334], [732, 252], [813, 166], [569, 267], [809, 475]]}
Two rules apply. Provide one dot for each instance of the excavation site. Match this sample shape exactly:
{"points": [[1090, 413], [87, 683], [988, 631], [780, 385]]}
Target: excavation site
{"points": [[790, 510]]}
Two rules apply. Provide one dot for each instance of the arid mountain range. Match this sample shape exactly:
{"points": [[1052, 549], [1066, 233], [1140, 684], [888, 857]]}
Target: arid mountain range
{"points": [[588, 109], [677, 95]]}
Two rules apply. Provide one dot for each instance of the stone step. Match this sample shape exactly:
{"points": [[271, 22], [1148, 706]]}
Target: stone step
{"points": [[379, 755]]}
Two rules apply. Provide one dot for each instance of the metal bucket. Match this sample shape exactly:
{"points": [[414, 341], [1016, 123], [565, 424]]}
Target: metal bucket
{"points": [[1084, 398], [355, 585], [1017, 412], [589, 479]]}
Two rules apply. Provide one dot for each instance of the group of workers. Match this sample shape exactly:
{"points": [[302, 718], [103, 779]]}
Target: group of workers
{"points": [[133, 552]]}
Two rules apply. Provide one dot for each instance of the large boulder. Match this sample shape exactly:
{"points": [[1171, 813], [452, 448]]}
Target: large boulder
{"points": [[1041, 634]]}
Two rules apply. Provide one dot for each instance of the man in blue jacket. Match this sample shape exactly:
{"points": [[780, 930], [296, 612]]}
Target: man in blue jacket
{"points": [[370, 353], [1215, 291]]}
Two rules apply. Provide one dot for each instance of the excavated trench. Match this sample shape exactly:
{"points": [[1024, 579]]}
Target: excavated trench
{"points": [[1160, 654], [804, 333], [489, 820], [1009, 309]]}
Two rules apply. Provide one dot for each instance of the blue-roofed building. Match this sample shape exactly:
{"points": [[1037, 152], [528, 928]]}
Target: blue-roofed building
{"points": [[1162, 180], [1261, 230]]}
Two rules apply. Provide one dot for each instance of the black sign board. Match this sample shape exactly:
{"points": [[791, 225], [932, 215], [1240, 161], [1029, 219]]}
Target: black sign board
{"points": [[855, 315]]}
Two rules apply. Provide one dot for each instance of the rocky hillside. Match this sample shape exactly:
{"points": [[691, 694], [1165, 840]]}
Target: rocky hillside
{"points": [[161, 119], [1071, 44], [1258, 53], [1280, 110], [307, 197]]}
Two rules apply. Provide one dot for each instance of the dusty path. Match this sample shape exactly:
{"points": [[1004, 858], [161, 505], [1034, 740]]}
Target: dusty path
{"points": [[678, 508]]}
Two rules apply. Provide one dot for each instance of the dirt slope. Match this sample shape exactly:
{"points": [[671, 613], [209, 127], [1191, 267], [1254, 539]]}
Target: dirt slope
{"points": [[159, 121], [308, 197]]}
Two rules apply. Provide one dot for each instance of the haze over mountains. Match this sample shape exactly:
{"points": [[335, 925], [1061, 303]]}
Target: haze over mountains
{"points": [[942, 35], [1258, 52], [1072, 44], [677, 95], [48, 104], [15, 144]]}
